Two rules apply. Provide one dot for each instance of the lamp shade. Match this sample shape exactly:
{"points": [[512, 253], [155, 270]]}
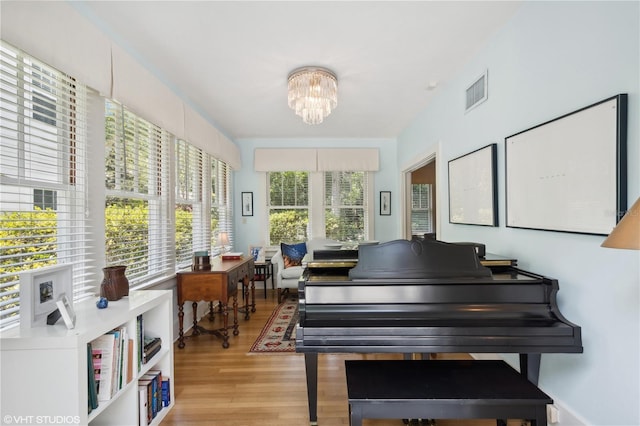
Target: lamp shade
{"points": [[626, 234], [223, 239]]}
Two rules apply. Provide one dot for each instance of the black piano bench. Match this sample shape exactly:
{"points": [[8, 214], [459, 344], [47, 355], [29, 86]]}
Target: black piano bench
{"points": [[442, 389]]}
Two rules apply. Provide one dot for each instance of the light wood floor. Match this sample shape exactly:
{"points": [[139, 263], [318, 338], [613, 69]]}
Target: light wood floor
{"points": [[230, 387]]}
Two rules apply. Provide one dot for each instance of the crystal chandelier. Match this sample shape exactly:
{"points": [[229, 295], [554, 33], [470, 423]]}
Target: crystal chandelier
{"points": [[313, 93]]}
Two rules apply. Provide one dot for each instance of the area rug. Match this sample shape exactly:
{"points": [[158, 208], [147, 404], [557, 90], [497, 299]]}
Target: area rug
{"points": [[279, 333]]}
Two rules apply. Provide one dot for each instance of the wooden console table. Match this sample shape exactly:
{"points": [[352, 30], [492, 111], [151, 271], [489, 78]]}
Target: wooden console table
{"points": [[218, 284]]}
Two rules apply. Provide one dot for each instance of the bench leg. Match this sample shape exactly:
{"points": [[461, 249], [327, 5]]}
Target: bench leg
{"points": [[355, 415]]}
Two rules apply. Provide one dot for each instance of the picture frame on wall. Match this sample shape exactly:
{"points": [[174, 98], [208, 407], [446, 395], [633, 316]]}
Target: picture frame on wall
{"points": [[569, 174], [40, 289], [247, 204], [385, 203], [473, 188]]}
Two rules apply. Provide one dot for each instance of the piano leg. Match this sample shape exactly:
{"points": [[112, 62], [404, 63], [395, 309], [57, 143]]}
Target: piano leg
{"points": [[530, 367], [311, 368]]}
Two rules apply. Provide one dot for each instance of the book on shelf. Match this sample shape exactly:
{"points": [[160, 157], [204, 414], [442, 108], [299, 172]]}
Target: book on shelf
{"points": [[91, 380], [152, 346], [155, 377], [145, 392], [166, 392], [142, 406], [103, 361]]}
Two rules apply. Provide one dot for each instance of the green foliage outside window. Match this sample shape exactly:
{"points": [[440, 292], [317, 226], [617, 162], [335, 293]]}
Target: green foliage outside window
{"points": [[25, 250]]}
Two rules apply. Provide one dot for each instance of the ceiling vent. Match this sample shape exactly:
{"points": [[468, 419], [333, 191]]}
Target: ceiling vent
{"points": [[477, 92]]}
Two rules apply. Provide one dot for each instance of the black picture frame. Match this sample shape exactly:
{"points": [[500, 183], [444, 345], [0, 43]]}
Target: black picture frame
{"points": [[569, 174], [247, 204], [473, 187], [385, 203]]}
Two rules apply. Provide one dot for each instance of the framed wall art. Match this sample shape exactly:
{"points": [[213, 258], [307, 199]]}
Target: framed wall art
{"points": [[247, 204], [385, 203], [570, 174], [258, 253], [473, 189], [40, 289]]}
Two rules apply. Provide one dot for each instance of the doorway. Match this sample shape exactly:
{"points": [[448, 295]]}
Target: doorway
{"points": [[420, 195]]}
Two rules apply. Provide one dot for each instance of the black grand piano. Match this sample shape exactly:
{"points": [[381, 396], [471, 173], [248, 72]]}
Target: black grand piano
{"points": [[427, 296]]}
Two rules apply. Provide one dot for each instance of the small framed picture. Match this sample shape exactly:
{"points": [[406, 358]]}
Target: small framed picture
{"points": [[385, 203], [40, 289], [258, 253], [66, 311], [247, 204]]}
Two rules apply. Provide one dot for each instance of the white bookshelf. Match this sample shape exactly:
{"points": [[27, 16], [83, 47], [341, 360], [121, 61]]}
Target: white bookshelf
{"points": [[44, 369]]}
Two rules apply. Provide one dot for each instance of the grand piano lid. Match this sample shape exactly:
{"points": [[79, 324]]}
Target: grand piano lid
{"points": [[428, 258]]}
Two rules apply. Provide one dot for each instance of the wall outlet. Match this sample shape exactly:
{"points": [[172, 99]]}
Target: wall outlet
{"points": [[552, 414]]}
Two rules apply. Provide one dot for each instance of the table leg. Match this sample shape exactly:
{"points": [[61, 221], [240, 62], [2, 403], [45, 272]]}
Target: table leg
{"points": [[253, 294], [225, 324], [245, 289], [236, 331], [180, 330], [211, 311], [194, 306]]}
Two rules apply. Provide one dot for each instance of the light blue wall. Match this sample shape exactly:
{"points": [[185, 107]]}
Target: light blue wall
{"points": [[253, 229], [550, 59]]}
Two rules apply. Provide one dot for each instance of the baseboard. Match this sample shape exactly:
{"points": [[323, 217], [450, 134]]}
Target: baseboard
{"points": [[565, 416]]}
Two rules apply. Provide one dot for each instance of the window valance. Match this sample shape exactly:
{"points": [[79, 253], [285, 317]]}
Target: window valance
{"points": [[316, 159]]}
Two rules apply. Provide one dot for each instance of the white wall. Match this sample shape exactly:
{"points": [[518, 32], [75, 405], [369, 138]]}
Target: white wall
{"points": [[253, 229], [550, 59]]}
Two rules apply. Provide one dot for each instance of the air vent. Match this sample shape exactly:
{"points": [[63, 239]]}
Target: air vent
{"points": [[477, 92]]}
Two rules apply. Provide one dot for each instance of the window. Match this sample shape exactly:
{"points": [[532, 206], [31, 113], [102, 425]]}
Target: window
{"points": [[43, 178], [189, 209], [138, 226], [288, 206], [340, 208], [345, 216], [421, 209]]}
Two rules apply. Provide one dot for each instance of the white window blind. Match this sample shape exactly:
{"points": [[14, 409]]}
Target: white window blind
{"points": [[421, 209], [139, 228], [191, 234], [221, 204], [345, 203], [289, 204], [43, 175]]}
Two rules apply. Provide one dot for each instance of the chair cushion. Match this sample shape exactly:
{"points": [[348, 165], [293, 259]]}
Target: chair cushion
{"points": [[292, 272], [293, 254]]}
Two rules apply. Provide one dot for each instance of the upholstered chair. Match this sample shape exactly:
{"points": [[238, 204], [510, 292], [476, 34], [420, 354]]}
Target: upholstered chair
{"points": [[287, 278]]}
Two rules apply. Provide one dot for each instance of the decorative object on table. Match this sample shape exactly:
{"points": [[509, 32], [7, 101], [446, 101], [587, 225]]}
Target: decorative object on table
{"points": [[258, 253], [385, 203], [626, 234], [67, 312], [223, 241], [39, 291], [473, 187], [579, 181], [201, 261], [102, 303], [312, 93], [279, 332], [115, 284], [247, 204], [231, 256]]}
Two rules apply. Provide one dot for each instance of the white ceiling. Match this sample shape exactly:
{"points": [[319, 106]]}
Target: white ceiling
{"points": [[230, 60]]}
